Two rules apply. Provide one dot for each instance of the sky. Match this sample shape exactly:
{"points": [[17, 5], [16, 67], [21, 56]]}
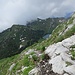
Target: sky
{"points": [[21, 11]]}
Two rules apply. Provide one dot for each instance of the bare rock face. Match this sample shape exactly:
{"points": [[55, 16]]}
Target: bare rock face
{"points": [[35, 71], [43, 68], [61, 56], [57, 59], [46, 68]]}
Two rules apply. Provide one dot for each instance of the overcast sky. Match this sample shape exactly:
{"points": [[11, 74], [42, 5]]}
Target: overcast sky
{"points": [[21, 11]]}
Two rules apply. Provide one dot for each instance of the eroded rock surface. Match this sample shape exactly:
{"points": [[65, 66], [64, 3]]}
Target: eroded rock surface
{"points": [[61, 57]]}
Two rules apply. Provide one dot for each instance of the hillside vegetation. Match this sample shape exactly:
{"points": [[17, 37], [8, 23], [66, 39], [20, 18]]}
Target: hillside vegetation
{"points": [[28, 59], [15, 39]]}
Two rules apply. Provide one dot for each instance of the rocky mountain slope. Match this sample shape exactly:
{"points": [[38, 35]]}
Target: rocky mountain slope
{"points": [[47, 25], [15, 39], [60, 56], [53, 56]]}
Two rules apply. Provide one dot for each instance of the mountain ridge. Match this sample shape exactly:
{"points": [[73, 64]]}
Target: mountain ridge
{"points": [[18, 37], [40, 58]]}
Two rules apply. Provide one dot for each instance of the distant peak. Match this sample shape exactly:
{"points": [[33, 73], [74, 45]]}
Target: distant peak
{"points": [[17, 25], [73, 15], [68, 15]]}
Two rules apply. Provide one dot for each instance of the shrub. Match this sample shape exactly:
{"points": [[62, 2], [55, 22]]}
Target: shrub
{"points": [[43, 48], [43, 56], [72, 46], [73, 54], [35, 58], [68, 63]]}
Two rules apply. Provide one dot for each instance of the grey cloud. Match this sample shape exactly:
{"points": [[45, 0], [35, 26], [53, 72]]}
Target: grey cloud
{"points": [[21, 11]]}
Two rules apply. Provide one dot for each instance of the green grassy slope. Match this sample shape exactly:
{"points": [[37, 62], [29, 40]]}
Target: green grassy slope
{"points": [[18, 37], [23, 60]]}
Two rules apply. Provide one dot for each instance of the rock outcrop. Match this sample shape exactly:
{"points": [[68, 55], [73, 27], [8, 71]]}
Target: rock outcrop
{"points": [[58, 59], [61, 57]]}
